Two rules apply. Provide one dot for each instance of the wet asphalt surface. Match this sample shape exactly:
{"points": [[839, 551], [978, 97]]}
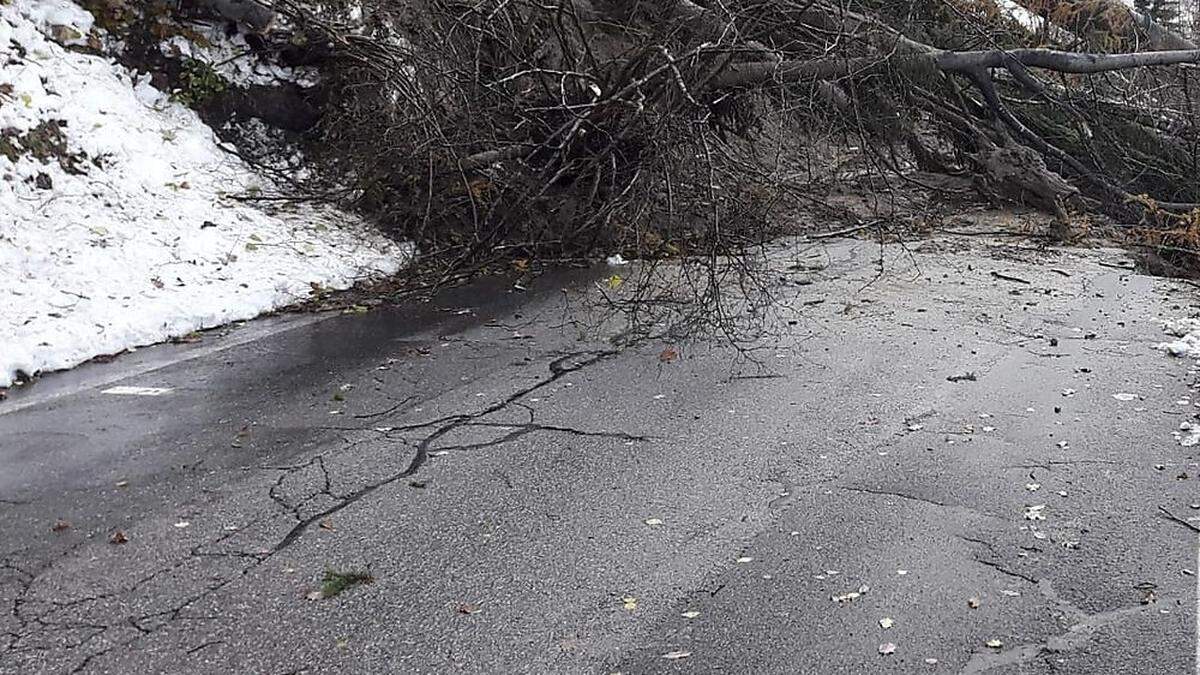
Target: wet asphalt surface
{"points": [[529, 500]]}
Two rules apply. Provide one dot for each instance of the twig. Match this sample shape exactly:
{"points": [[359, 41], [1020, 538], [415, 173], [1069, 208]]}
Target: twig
{"points": [[1006, 277], [1171, 516], [841, 233]]}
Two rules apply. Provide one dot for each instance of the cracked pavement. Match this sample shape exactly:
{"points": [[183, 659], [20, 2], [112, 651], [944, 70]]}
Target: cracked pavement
{"points": [[527, 500]]}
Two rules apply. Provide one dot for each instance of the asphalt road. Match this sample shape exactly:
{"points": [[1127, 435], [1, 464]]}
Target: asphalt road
{"points": [[529, 500]]}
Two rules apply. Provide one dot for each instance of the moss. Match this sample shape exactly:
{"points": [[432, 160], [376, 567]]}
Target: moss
{"points": [[335, 582]]}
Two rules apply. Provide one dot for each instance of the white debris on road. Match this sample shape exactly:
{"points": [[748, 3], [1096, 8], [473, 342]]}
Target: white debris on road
{"points": [[1188, 434], [116, 225], [1187, 332]]}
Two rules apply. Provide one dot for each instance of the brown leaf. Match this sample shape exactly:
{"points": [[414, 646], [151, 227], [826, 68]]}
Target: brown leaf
{"points": [[60, 525], [327, 524], [468, 608], [668, 355], [118, 537]]}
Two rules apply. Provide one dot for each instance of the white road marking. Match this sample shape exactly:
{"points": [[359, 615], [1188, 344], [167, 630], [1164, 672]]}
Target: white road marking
{"points": [[137, 391], [251, 332]]}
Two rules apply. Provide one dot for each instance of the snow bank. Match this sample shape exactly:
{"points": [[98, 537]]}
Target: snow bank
{"points": [[1187, 332], [124, 234]]}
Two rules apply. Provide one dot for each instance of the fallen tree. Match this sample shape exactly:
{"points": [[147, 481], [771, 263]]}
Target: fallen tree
{"points": [[679, 126]]}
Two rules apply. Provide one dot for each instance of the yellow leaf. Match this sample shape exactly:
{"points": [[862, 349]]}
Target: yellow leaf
{"points": [[615, 281]]}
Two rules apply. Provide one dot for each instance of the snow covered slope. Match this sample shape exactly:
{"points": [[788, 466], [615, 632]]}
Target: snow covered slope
{"points": [[116, 225]]}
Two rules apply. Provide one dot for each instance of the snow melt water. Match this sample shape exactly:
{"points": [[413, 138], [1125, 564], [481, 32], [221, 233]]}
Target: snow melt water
{"points": [[132, 237]]}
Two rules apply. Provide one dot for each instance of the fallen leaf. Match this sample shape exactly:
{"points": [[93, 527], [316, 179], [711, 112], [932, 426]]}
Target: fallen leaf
{"points": [[60, 525], [673, 656], [122, 483], [668, 355], [653, 521], [629, 602], [886, 622], [615, 281], [118, 537], [887, 648], [690, 614], [994, 643], [326, 524], [468, 608]]}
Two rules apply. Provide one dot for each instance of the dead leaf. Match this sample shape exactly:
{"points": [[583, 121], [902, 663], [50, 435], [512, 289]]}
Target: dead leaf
{"points": [[676, 655], [118, 537], [468, 608], [629, 602], [668, 355], [327, 524], [60, 525], [614, 282], [690, 614], [994, 643]]}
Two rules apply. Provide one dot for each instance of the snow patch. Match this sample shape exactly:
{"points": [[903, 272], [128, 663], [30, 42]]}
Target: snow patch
{"points": [[233, 59], [122, 230]]}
